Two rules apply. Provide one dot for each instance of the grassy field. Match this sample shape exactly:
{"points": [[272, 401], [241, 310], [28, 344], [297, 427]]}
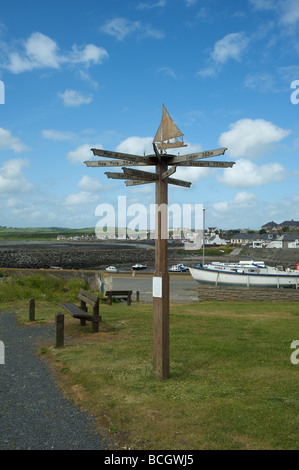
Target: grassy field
{"points": [[40, 234], [232, 383]]}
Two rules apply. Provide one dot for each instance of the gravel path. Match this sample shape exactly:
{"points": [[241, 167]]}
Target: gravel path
{"points": [[33, 413]]}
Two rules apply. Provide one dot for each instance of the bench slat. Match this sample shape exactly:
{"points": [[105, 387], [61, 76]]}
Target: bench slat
{"points": [[75, 311]]}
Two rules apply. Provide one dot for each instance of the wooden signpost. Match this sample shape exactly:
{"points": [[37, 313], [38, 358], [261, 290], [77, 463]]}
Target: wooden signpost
{"points": [[168, 136]]}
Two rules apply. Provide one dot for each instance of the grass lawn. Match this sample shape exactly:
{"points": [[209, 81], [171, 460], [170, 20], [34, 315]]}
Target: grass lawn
{"points": [[232, 384]]}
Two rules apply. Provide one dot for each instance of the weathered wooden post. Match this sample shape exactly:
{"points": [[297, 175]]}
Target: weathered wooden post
{"points": [[59, 330], [161, 281], [32, 310], [167, 136]]}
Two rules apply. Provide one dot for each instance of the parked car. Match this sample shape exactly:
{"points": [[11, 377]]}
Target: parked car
{"points": [[112, 269]]}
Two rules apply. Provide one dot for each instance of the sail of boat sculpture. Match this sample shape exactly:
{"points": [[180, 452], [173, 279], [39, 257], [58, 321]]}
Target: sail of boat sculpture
{"points": [[168, 131]]}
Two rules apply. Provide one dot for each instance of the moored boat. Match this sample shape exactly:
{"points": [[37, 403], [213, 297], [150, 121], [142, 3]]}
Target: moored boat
{"points": [[138, 267], [245, 273], [178, 268]]}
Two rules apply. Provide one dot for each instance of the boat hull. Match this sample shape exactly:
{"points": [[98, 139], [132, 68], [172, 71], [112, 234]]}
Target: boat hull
{"points": [[222, 278]]}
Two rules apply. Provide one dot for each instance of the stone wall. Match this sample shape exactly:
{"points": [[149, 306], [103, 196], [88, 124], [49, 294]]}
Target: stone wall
{"points": [[229, 294]]}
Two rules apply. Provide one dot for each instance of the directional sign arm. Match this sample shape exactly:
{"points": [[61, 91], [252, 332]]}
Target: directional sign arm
{"points": [[137, 182], [197, 156], [115, 176], [101, 163], [207, 164], [186, 184], [168, 172], [130, 173], [123, 156]]}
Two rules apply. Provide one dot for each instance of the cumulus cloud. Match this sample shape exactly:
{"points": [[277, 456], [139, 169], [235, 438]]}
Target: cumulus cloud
{"points": [[10, 142], [12, 179], [136, 145], [251, 137], [81, 153], [241, 200], [41, 51], [245, 174]]}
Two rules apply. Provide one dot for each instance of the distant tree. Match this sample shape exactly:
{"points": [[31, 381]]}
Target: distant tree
{"points": [[262, 231], [285, 228]]}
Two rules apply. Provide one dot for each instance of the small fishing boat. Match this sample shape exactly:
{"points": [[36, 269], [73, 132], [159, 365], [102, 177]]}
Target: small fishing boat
{"points": [[138, 267], [245, 273], [178, 268]]}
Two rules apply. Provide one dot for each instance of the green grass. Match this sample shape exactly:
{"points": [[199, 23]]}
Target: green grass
{"points": [[232, 384], [40, 234]]}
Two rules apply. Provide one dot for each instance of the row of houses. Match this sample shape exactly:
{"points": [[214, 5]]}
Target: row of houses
{"points": [[265, 240], [274, 227]]}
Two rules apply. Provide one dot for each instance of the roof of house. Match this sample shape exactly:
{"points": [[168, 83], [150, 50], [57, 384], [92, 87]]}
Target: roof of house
{"points": [[245, 236], [289, 223]]}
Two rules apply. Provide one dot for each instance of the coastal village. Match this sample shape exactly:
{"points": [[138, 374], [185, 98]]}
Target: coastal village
{"points": [[271, 235]]}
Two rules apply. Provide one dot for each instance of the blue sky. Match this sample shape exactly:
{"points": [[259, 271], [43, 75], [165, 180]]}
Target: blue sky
{"points": [[89, 74]]}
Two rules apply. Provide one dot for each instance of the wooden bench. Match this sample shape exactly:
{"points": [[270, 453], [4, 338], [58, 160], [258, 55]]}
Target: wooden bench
{"points": [[82, 312], [119, 294]]}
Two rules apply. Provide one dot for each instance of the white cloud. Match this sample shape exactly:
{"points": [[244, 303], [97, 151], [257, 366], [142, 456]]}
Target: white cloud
{"points": [[149, 6], [89, 54], [242, 200], [12, 178], [73, 98], [230, 46], [9, 142], [89, 184], [41, 51], [251, 137], [121, 27], [245, 174], [191, 174], [81, 154], [84, 198], [136, 145], [290, 12], [55, 135]]}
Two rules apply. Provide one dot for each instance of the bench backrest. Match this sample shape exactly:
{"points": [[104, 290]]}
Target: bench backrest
{"points": [[88, 297]]}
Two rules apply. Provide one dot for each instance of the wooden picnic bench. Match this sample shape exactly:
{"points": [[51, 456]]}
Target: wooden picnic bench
{"points": [[81, 312], [119, 294]]}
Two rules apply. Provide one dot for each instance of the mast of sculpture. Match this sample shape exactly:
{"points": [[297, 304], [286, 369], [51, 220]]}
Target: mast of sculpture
{"points": [[168, 136]]}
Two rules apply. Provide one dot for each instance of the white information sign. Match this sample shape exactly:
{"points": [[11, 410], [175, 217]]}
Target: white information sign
{"points": [[157, 287]]}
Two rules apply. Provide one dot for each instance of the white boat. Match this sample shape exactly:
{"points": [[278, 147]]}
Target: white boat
{"points": [[138, 267], [178, 268], [245, 273]]}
